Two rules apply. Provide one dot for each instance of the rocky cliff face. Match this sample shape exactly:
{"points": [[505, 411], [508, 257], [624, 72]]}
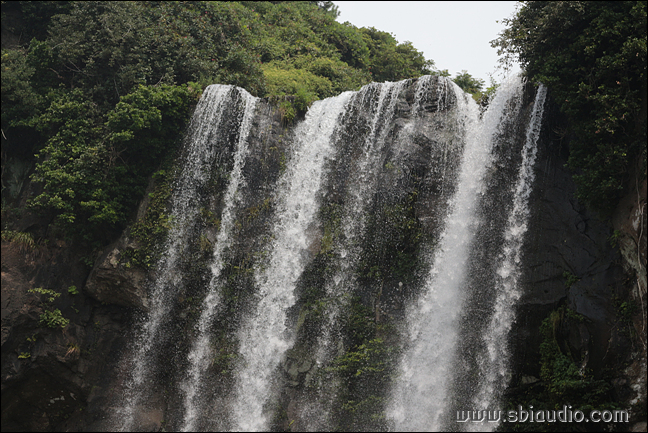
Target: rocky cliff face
{"points": [[51, 375], [56, 378], [588, 266]]}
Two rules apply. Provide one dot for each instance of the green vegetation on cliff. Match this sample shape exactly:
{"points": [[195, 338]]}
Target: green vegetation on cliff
{"points": [[592, 56], [96, 93], [564, 378], [95, 166]]}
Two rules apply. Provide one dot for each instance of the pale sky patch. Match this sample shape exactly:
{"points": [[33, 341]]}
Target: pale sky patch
{"points": [[455, 34]]}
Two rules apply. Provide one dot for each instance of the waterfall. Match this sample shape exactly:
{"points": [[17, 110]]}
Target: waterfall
{"points": [[420, 395], [378, 101], [200, 351], [375, 96], [431, 369], [494, 365], [264, 336], [204, 141], [399, 210]]}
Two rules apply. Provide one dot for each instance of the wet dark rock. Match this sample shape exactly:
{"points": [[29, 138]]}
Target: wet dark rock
{"points": [[570, 261], [49, 373], [114, 282]]}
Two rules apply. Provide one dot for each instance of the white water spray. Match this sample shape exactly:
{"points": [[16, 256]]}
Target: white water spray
{"points": [[199, 356], [420, 399], [184, 211], [263, 339], [495, 366]]}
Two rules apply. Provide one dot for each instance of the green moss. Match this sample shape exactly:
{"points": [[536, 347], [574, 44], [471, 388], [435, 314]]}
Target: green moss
{"points": [[255, 211], [225, 349], [331, 215], [210, 218], [558, 371], [365, 369], [626, 310], [570, 279], [614, 238], [392, 244], [368, 358]]}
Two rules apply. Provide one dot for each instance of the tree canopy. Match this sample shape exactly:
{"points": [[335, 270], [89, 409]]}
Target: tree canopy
{"points": [[100, 91], [592, 56], [468, 83]]}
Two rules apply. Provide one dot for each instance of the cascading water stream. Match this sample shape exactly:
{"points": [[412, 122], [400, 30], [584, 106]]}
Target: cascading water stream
{"points": [[263, 337], [494, 366], [199, 356], [382, 98], [362, 185], [361, 191], [201, 153], [421, 397]]}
